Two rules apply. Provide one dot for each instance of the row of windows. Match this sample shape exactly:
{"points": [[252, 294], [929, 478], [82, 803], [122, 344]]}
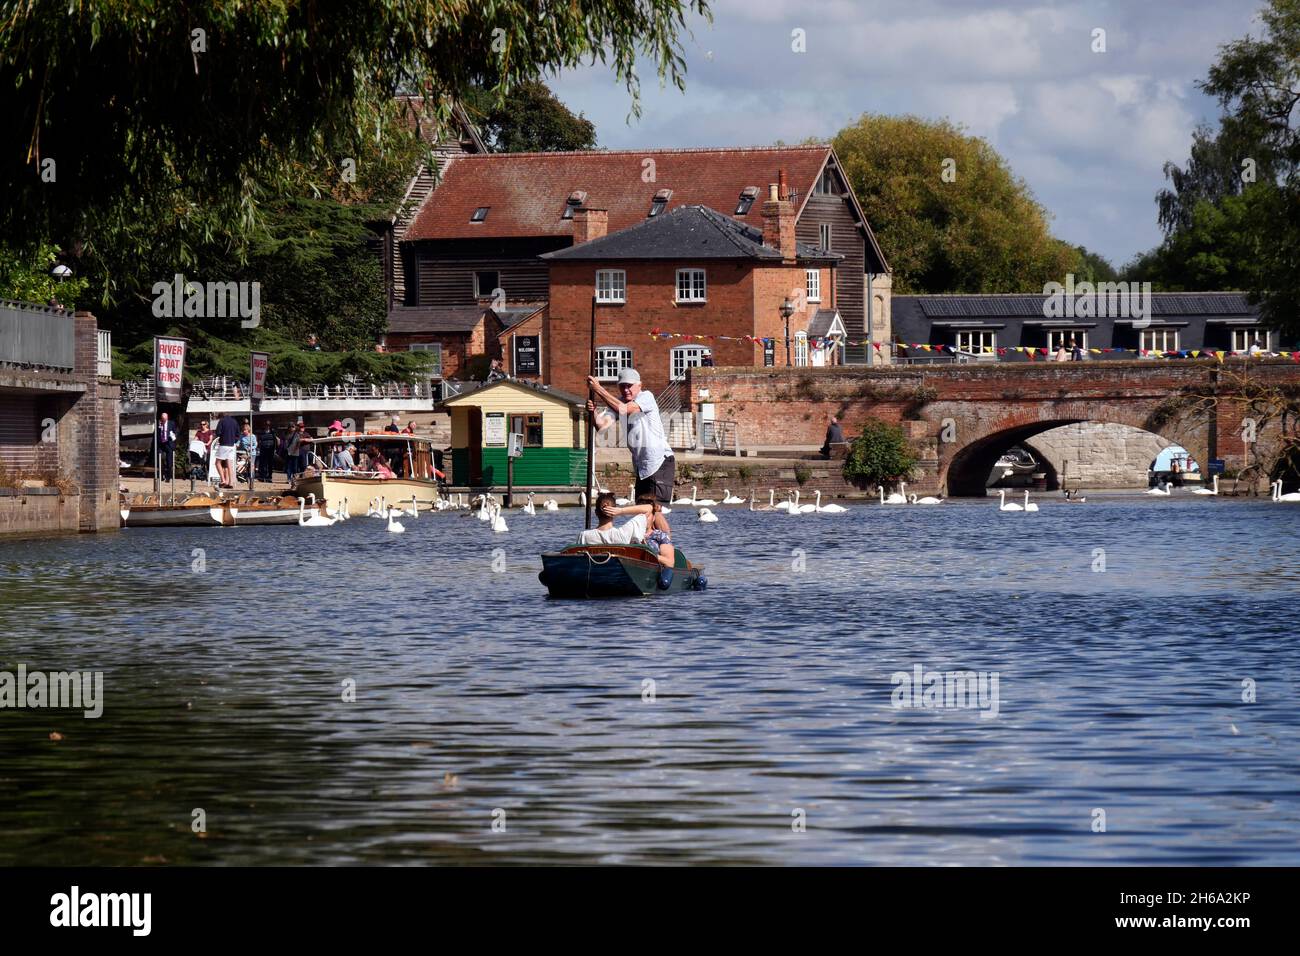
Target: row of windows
{"points": [[982, 342], [692, 285], [612, 359]]}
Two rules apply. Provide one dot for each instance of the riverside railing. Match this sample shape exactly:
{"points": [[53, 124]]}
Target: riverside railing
{"points": [[36, 335], [223, 389]]}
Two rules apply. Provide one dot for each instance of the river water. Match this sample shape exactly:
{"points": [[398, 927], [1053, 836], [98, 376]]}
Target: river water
{"points": [[769, 734]]}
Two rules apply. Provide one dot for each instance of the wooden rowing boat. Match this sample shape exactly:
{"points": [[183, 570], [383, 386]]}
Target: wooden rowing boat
{"points": [[593, 571], [146, 511]]}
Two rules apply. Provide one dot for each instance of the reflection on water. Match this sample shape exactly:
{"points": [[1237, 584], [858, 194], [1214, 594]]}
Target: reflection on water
{"points": [[224, 692]]}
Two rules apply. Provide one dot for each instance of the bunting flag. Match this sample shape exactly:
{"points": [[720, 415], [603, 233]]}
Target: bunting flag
{"points": [[1027, 350]]}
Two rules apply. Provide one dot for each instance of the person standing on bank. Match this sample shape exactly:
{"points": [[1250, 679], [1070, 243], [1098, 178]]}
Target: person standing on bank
{"points": [[266, 446], [227, 440], [165, 439], [834, 436], [652, 459]]}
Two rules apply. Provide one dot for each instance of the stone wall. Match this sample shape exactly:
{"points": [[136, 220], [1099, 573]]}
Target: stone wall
{"points": [[1099, 454], [34, 512]]}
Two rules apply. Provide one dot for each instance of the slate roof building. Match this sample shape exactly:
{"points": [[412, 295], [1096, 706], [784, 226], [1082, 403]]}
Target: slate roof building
{"points": [[690, 287], [479, 237], [1021, 328]]}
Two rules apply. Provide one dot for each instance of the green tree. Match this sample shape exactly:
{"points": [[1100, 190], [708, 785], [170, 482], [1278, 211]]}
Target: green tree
{"points": [[948, 211], [119, 111], [28, 275], [1231, 214], [879, 455], [1094, 267], [531, 119]]}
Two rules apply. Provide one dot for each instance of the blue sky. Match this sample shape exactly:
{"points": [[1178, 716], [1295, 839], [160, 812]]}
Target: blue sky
{"points": [[1089, 132]]}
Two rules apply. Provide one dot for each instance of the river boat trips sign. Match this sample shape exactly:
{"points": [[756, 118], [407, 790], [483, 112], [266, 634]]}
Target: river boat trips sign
{"points": [[258, 362], [168, 368]]}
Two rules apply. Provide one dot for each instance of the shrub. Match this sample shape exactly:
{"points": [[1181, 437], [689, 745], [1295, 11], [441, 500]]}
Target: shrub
{"points": [[879, 455], [802, 473]]}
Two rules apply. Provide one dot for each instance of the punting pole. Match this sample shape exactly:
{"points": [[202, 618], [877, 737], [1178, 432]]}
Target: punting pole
{"points": [[591, 419]]}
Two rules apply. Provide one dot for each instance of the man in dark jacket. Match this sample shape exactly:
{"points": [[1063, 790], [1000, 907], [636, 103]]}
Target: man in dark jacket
{"points": [[165, 440], [292, 446], [834, 436], [266, 446]]}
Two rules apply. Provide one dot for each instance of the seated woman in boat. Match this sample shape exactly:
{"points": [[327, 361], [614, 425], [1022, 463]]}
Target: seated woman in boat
{"points": [[379, 466]]}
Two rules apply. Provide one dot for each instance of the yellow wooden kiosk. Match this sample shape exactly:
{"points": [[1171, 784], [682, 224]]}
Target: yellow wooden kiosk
{"points": [[552, 426]]}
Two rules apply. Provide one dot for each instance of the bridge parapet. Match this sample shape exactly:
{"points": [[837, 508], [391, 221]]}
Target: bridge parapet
{"points": [[962, 417]]}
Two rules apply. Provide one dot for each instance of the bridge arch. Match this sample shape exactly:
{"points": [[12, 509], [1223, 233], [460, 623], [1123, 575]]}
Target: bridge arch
{"points": [[964, 470]]}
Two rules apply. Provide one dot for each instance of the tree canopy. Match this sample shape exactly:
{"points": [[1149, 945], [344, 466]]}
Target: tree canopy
{"points": [[947, 210], [531, 119], [1231, 213], [258, 142]]}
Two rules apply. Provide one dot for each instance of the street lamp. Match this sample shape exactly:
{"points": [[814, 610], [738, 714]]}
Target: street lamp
{"points": [[787, 310]]}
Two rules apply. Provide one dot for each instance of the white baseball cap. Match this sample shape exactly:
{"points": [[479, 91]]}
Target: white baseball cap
{"points": [[629, 376]]}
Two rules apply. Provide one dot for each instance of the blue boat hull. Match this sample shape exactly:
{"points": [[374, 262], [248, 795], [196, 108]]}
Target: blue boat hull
{"points": [[595, 571]]}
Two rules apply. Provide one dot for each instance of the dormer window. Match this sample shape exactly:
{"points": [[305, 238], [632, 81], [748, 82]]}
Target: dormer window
{"points": [[826, 183], [747, 197], [659, 202], [576, 200], [480, 214]]}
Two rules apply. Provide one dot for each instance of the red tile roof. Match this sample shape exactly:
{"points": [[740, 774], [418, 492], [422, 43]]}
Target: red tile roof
{"points": [[526, 192]]}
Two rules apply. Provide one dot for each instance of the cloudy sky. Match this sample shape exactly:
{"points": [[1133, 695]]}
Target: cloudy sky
{"points": [[1088, 131]]}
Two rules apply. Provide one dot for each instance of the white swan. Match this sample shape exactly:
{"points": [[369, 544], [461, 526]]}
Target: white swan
{"points": [[530, 508], [1029, 506], [550, 504], [782, 505], [927, 500], [771, 495], [1278, 496], [631, 497], [706, 515], [1208, 491], [729, 499], [415, 509], [832, 509], [394, 525], [317, 520], [1003, 506], [894, 497], [1160, 489], [701, 502], [498, 522], [797, 508]]}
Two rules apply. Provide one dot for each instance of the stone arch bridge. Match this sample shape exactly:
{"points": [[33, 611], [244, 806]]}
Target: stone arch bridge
{"points": [[961, 418]]}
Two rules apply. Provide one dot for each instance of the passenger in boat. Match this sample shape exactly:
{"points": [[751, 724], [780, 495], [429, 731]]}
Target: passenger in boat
{"points": [[342, 459], [629, 532]]}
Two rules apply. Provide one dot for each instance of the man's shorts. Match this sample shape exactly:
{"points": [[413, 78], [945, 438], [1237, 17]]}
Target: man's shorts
{"points": [[225, 452], [656, 538], [660, 483]]}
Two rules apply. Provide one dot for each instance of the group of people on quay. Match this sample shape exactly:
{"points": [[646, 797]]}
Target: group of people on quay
{"points": [[224, 452]]}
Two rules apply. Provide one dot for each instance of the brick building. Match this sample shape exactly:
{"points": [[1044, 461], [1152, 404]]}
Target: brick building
{"points": [[58, 422], [479, 239], [687, 288]]}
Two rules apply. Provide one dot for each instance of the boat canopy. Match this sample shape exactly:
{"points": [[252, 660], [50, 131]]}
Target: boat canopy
{"points": [[370, 436]]}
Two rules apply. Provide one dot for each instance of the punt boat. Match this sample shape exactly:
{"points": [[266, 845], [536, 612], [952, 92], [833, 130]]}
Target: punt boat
{"points": [[594, 571]]}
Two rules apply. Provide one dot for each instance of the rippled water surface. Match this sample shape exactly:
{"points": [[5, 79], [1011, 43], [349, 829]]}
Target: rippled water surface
{"points": [[1119, 691]]}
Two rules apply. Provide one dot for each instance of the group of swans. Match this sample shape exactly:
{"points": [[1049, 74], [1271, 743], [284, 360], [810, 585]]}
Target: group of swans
{"points": [[1004, 505], [901, 497], [1276, 488]]}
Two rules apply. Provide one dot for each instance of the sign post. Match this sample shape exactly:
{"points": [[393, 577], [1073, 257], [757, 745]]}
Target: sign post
{"points": [[514, 450], [257, 365], [168, 384]]}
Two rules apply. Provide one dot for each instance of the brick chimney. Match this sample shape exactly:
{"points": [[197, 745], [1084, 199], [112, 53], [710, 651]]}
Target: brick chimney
{"points": [[778, 219], [589, 224]]}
